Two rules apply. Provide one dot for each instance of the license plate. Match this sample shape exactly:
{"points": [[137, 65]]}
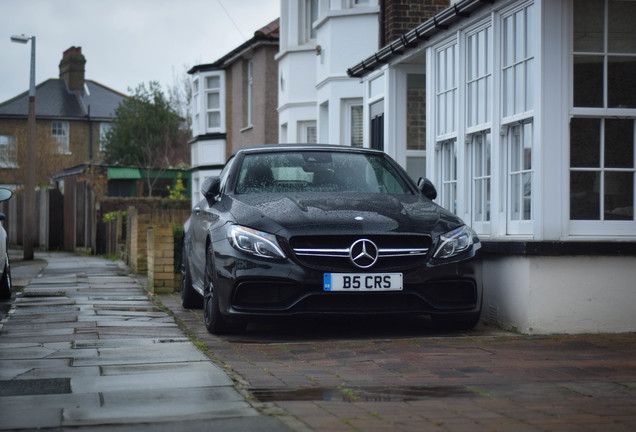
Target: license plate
{"points": [[352, 282]]}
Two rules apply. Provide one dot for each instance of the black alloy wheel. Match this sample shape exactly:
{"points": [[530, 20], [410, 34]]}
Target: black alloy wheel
{"points": [[190, 299], [215, 323]]}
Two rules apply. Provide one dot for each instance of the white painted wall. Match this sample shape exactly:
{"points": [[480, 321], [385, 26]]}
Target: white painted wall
{"points": [[566, 294], [205, 153]]}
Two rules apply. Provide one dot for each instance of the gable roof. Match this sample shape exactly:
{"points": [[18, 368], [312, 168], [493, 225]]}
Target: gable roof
{"points": [[54, 100]]}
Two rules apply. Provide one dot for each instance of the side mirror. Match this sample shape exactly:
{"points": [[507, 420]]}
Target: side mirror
{"points": [[427, 188], [211, 188]]}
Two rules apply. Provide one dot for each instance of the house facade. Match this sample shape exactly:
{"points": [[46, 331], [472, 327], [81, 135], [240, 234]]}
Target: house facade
{"points": [[529, 126], [234, 104], [72, 114], [317, 101]]}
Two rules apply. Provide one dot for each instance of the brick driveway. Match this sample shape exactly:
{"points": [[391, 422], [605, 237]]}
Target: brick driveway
{"points": [[385, 376]]}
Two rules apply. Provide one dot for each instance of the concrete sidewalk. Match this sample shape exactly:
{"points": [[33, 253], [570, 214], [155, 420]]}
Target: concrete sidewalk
{"points": [[82, 346]]}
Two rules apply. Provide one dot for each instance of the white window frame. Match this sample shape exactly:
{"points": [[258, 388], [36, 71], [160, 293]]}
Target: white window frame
{"points": [[307, 32], [8, 151], [481, 180], [307, 130], [479, 78], [200, 109], [445, 95], [520, 176], [478, 86], [348, 105], [60, 134], [196, 107], [447, 151], [518, 74], [600, 227], [209, 91], [446, 90]]}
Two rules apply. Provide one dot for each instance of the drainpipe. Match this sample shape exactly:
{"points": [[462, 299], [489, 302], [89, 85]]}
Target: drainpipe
{"points": [[90, 135]]}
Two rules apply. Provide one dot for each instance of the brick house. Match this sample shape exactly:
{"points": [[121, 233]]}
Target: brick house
{"points": [[72, 113], [234, 104]]}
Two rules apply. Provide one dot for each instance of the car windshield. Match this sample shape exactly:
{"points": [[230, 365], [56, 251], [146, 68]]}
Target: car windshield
{"points": [[319, 171]]}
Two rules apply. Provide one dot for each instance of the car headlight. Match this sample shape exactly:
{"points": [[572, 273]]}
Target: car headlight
{"points": [[255, 242], [454, 242]]}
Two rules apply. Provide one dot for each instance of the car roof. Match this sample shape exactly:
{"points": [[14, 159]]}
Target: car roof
{"points": [[308, 147]]}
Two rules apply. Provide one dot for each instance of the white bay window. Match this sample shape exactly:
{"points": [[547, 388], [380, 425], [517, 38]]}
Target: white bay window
{"points": [[602, 128]]}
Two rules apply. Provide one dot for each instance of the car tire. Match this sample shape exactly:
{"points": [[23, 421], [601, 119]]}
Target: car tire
{"points": [[5, 281], [190, 299], [459, 321], [215, 323]]}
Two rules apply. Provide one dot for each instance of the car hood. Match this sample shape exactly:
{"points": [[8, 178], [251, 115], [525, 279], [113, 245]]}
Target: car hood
{"points": [[341, 213]]}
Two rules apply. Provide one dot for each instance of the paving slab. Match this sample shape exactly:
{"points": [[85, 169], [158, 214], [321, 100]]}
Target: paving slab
{"points": [[84, 347]]}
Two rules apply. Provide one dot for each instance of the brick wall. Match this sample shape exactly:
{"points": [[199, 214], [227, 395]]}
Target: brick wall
{"points": [[160, 253], [400, 16], [138, 224]]}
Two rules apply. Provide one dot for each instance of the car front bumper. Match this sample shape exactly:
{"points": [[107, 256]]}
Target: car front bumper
{"points": [[249, 286]]}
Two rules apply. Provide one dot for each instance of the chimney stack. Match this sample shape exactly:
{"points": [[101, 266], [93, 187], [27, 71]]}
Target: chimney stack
{"points": [[72, 68]]}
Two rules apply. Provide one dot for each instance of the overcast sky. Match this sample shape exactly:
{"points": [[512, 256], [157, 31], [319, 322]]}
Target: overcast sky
{"points": [[125, 42]]}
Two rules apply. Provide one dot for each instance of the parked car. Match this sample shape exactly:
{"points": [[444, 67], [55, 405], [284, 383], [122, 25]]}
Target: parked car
{"points": [[5, 279], [315, 229]]}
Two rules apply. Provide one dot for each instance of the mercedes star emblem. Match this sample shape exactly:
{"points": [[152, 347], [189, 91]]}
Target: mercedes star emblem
{"points": [[363, 253]]}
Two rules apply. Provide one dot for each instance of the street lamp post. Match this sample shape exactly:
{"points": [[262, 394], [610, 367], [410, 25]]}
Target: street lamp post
{"points": [[28, 221]]}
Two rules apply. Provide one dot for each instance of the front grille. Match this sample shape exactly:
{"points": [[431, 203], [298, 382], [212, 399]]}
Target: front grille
{"points": [[355, 303], [331, 253], [451, 294]]}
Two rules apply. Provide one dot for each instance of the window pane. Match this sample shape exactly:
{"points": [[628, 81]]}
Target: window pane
{"points": [[588, 81], [356, 126], [527, 196], [619, 143], [527, 146], [213, 82], [519, 39], [621, 27], [515, 197], [529, 86], [508, 41], [619, 195], [588, 25], [416, 112], [214, 120], [213, 100], [479, 199], [519, 89], [584, 196], [528, 31], [508, 98], [515, 148], [621, 82], [585, 143]]}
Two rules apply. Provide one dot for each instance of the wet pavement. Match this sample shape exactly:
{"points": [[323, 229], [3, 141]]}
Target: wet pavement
{"points": [[87, 347], [83, 347]]}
